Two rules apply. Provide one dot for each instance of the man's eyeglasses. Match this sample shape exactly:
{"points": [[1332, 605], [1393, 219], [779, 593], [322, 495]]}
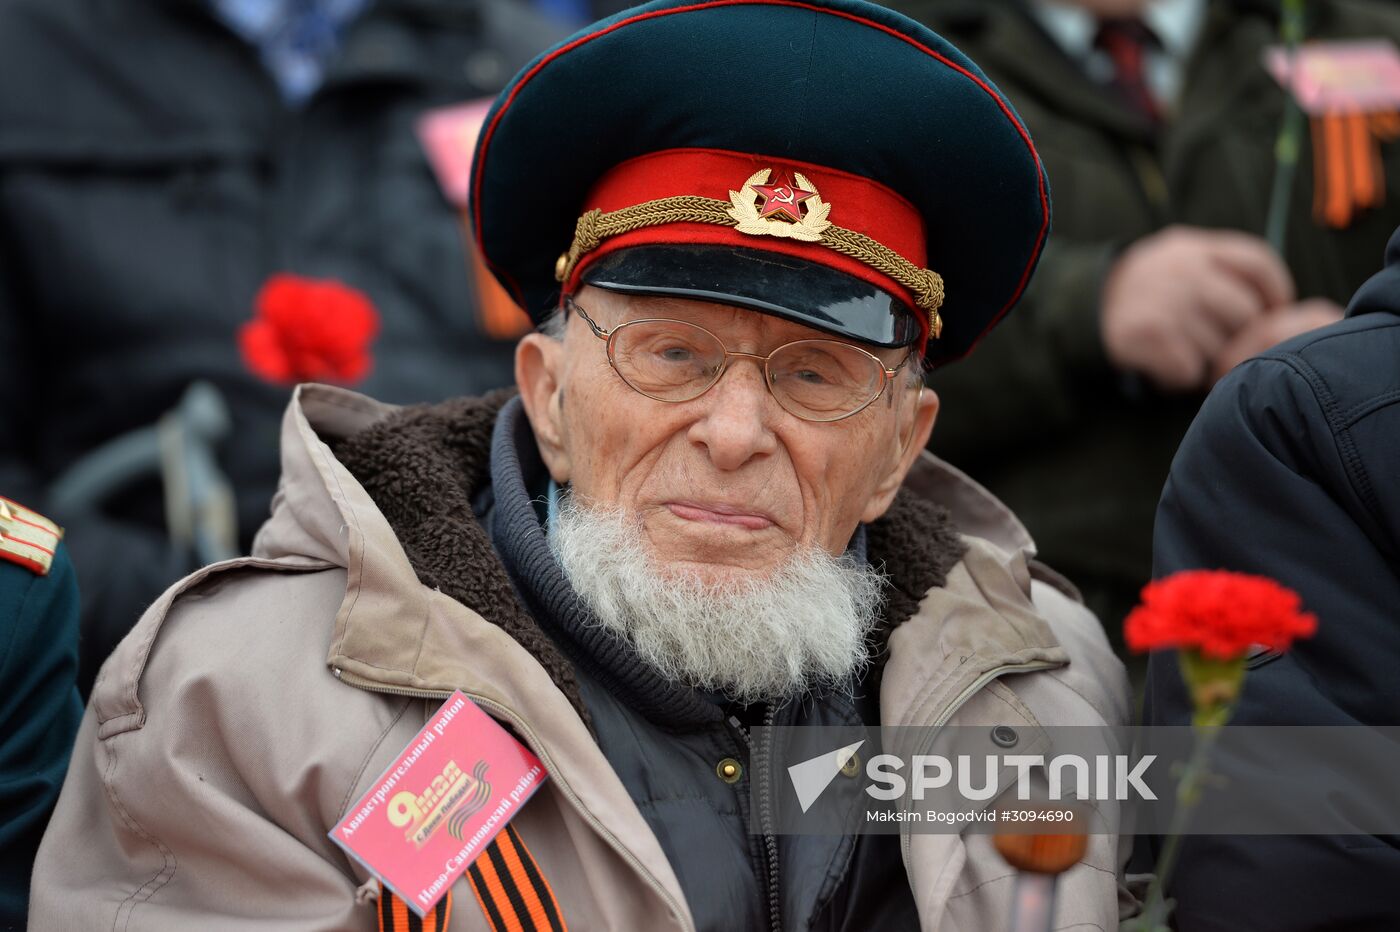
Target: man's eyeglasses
{"points": [[675, 361]]}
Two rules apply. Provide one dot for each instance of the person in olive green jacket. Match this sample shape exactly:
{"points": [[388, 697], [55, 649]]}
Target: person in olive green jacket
{"points": [[1071, 411], [39, 705]]}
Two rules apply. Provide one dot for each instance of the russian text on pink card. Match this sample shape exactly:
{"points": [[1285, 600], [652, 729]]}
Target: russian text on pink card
{"points": [[436, 808]]}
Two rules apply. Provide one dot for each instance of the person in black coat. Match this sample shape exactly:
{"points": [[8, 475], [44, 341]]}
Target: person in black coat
{"points": [[1290, 472], [160, 160]]}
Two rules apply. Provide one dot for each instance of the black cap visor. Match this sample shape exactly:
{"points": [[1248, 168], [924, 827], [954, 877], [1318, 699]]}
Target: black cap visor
{"points": [[772, 283]]}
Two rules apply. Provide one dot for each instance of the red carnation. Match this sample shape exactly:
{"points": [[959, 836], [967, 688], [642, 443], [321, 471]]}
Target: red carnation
{"points": [[309, 330], [1218, 614]]}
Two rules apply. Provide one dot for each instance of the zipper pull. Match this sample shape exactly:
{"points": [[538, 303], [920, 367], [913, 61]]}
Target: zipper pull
{"points": [[739, 730]]}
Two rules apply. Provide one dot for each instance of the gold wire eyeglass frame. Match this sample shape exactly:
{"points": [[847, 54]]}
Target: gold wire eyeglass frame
{"points": [[610, 337]]}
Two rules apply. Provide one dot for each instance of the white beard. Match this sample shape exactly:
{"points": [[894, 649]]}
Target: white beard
{"points": [[798, 628]]}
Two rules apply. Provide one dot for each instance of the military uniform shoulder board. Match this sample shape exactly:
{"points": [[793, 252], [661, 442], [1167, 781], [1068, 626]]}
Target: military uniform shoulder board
{"points": [[27, 537]]}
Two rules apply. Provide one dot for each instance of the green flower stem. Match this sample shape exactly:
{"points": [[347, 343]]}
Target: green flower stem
{"points": [[1188, 791], [1290, 134], [1214, 684]]}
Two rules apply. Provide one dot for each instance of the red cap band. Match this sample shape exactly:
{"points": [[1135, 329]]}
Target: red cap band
{"points": [[856, 203]]}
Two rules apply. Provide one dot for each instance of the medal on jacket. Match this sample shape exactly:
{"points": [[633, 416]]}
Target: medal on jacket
{"points": [[438, 808]]}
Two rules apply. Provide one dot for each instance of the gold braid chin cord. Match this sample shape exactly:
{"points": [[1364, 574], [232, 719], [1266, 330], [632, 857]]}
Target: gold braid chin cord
{"points": [[595, 226]]}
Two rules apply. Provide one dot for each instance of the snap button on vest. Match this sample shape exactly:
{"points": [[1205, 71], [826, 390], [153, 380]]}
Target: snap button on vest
{"points": [[1004, 736], [852, 765], [729, 770]]}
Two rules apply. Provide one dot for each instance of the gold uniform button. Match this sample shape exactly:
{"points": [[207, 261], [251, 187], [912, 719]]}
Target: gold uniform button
{"points": [[729, 770], [852, 765]]}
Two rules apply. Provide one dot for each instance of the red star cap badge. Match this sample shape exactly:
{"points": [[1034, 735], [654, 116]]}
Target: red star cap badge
{"points": [[782, 200]]}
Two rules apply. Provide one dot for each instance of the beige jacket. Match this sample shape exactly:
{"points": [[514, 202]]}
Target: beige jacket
{"points": [[259, 697]]}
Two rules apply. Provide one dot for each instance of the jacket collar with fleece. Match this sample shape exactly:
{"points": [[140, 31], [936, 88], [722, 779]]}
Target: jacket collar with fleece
{"points": [[425, 469]]}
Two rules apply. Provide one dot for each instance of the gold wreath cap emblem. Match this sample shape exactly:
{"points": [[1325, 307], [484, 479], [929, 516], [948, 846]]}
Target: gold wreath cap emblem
{"points": [[809, 229]]}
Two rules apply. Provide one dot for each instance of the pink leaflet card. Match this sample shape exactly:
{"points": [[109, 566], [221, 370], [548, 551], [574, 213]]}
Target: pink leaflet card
{"points": [[437, 807], [1360, 76], [449, 137]]}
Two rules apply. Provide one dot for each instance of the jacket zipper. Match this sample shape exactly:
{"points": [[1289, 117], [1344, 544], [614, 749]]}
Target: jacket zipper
{"points": [[906, 835], [538, 748], [765, 819], [759, 758]]}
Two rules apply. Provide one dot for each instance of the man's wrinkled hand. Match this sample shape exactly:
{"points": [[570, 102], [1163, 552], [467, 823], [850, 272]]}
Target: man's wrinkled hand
{"points": [[1175, 300], [1278, 325]]}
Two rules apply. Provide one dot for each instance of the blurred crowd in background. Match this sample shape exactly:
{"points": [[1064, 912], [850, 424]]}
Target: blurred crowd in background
{"points": [[164, 163]]}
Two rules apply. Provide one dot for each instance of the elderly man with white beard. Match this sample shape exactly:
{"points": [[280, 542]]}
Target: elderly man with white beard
{"points": [[705, 508]]}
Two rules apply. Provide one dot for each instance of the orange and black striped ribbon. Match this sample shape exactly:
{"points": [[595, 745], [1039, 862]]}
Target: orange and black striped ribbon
{"points": [[1348, 174], [511, 890], [507, 883], [395, 916]]}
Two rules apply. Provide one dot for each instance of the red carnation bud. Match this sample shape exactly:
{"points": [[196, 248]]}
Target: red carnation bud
{"points": [[309, 330], [1218, 614], [1213, 618]]}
